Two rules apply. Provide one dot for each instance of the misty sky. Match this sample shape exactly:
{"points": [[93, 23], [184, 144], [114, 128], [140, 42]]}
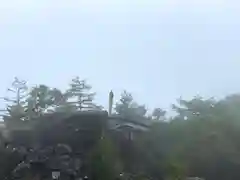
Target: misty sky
{"points": [[157, 49]]}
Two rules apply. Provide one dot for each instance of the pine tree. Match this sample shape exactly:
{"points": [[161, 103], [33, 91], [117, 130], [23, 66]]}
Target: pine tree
{"points": [[16, 103], [128, 107], [158, 114], [43, 99], [79, 95]]}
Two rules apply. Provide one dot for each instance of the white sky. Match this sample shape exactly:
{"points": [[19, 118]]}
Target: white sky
{"points": [[158, 50]]}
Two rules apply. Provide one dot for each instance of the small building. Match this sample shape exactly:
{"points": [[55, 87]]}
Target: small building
{"points": [[194, 178], [129, 127]]}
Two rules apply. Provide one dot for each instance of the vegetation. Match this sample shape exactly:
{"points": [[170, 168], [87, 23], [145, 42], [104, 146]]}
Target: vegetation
{"points": [[202, 140]]}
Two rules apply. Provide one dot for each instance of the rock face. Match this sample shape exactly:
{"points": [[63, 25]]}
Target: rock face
{"points": [[42, 162], [61, 142], [58, 142]]}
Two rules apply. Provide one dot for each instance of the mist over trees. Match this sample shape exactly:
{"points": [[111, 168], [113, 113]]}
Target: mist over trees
{"points": [[202, 140]]}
